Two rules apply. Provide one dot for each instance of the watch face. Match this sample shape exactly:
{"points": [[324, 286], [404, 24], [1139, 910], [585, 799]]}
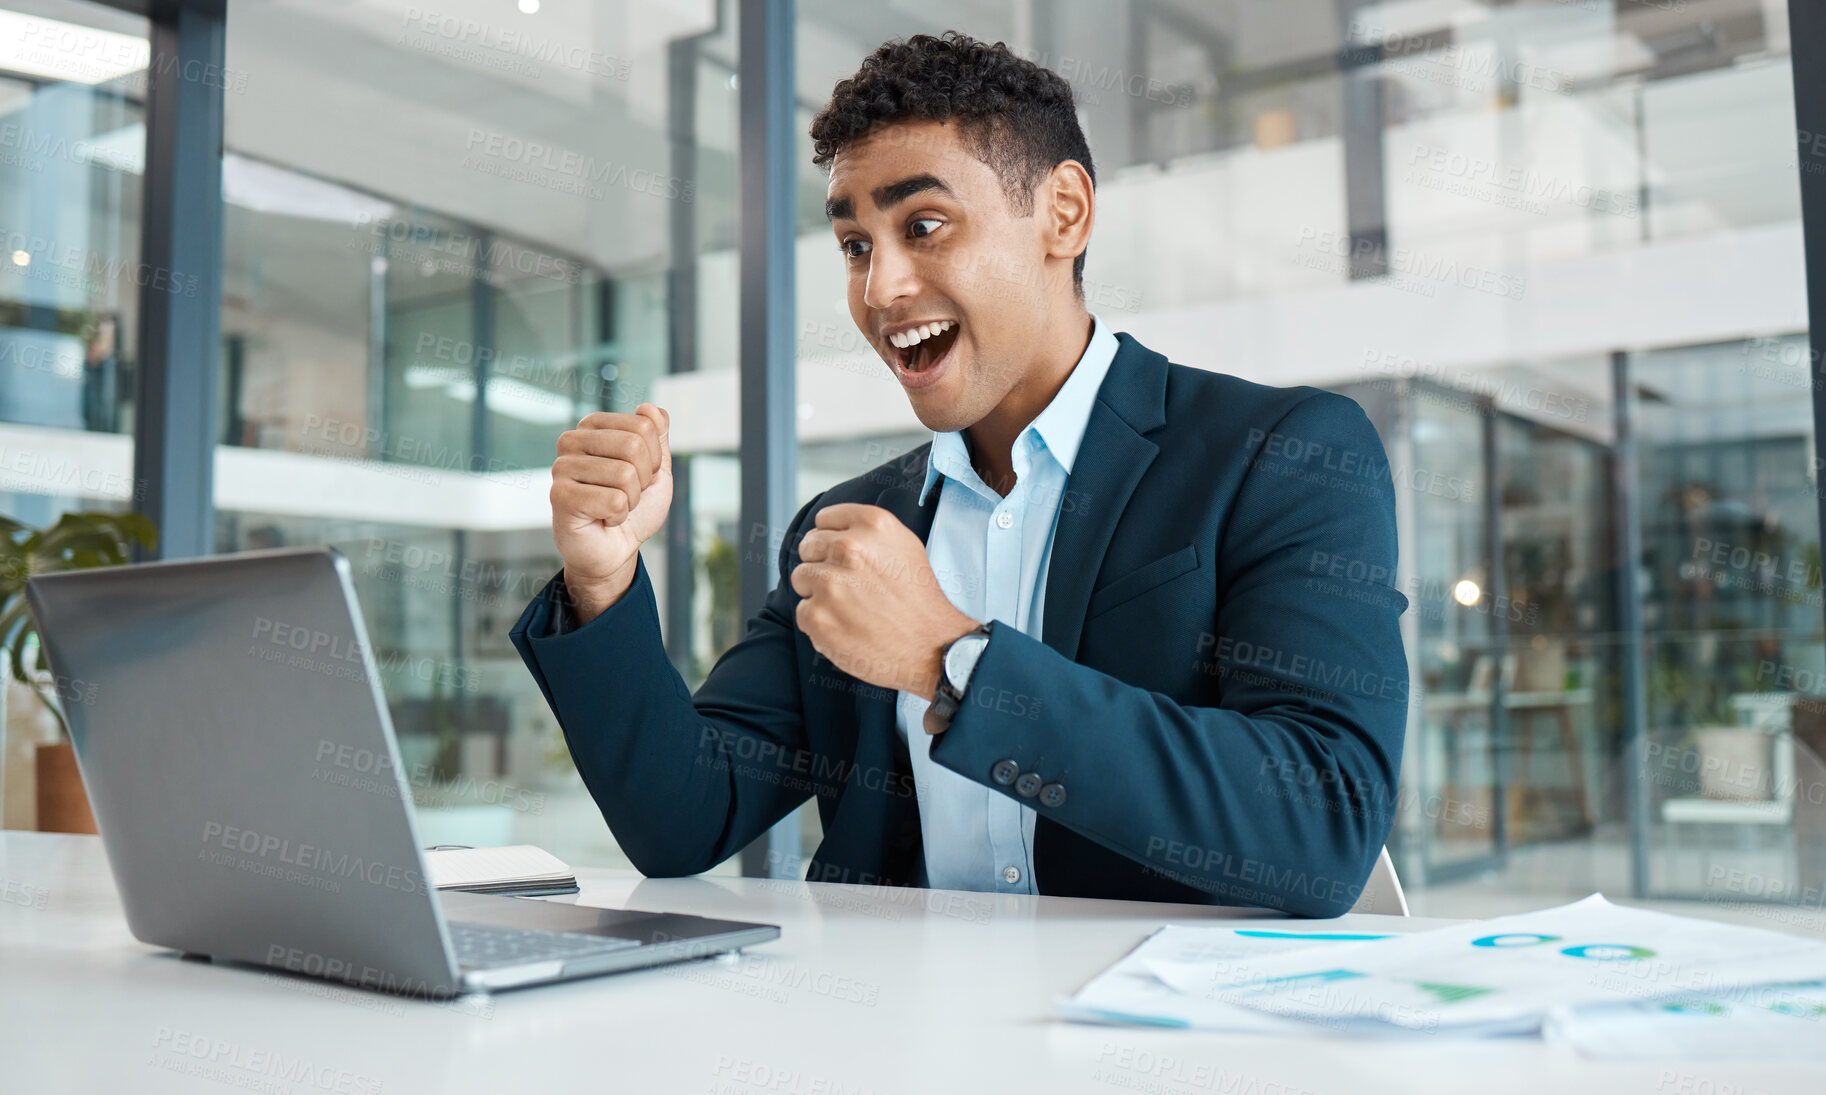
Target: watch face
{"points": [[961, 658]]}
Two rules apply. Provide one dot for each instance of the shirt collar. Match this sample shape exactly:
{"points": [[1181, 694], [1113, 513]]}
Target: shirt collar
{"points": [[1060, 426]]}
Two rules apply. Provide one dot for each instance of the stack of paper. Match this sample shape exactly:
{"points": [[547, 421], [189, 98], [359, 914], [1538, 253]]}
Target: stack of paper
{"points": [[1582, 973], [521, 870], [1131, 992], [1764, 1021]]}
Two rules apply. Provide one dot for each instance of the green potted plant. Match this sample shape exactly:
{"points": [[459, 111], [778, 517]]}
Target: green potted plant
{"points": [[1698, 699], [722, 566], [77, 541]]}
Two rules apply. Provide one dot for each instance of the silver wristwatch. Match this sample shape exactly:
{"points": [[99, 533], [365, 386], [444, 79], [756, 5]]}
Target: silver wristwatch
{"points": [[956, 663]]}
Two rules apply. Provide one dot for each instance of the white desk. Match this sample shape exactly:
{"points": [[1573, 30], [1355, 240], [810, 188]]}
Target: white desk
{"points": [[867, 991]]}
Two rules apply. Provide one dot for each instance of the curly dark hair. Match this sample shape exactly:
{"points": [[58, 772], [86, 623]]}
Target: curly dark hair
{"points": [[1012, 114]]}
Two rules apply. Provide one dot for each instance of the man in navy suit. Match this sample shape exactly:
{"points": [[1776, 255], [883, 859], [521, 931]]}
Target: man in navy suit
{"points": [[1123, 629]]}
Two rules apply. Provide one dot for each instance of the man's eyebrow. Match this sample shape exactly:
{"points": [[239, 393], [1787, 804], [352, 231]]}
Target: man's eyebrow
{"points": [[886, 197], [896, 192]]}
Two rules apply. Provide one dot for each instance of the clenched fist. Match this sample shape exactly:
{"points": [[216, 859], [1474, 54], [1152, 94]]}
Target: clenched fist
{"points": [[870, 601], [611, 489]]}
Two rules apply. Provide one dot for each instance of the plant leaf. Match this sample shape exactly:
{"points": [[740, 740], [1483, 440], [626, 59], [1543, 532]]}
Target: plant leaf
{"points": [[75, 542]]}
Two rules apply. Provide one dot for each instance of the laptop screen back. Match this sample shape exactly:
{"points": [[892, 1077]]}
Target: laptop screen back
{"points": [[236, 748]]}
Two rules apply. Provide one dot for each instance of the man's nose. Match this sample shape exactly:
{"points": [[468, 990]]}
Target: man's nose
{"points": [[891, 278]]}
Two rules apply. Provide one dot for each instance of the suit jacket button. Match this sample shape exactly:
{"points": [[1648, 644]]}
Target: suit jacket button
{"points": [[1004, 772], [1028, 785], [1053, 794]]}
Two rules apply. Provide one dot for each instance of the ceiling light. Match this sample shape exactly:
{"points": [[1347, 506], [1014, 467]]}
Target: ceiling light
{"points": [[77, 54]]}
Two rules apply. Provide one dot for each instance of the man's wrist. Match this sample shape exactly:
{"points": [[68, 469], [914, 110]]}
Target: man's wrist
{"points": [[933, 671], [957, 666], [589, 598]]}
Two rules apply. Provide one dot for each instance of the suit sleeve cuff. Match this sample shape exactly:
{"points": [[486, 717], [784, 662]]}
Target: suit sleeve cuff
{"points": [[550, 616], [560, 620], [995, 723]]}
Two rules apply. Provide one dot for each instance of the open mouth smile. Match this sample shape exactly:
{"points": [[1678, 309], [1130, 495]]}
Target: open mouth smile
{"points": [[921, 350]]}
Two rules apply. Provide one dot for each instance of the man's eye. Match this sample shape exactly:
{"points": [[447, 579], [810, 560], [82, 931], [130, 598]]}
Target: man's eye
{"points": [[854, 249], [933, 221]]}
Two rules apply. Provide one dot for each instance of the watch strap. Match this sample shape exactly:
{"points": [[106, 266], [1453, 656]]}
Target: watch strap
{"points": [[948, 696], [944, 704]]}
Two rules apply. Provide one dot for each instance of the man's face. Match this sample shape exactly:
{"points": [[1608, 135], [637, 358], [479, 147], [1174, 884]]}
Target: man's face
{"points": [[930, 244]]}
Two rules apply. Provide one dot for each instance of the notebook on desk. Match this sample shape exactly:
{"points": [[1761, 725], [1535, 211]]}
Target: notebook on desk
{"points": [[520, 870]]}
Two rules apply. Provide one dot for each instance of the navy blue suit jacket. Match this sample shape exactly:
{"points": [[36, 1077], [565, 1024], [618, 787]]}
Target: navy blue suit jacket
{"points": [[1220, 688]]}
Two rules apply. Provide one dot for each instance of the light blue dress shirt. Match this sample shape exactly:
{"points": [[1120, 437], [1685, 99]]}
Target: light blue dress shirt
{"points": [[990, 555]]}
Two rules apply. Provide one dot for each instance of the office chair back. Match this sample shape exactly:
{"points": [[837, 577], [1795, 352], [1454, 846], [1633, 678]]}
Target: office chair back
{"points": [[1382, 893]]}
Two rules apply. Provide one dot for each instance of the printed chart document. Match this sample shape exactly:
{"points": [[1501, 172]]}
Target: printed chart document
{"points": [[1763, 1022], [1503, 975], [1129, 993]]}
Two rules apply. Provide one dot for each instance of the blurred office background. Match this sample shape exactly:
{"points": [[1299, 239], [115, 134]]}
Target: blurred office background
{"points": [[448, 235]]}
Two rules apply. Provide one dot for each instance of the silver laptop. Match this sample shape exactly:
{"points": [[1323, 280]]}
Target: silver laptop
{"points": [[229, 724]]}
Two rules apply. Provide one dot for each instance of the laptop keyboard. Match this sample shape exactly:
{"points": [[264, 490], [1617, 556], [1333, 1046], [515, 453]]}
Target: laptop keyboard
{"points": [[484, 946]]}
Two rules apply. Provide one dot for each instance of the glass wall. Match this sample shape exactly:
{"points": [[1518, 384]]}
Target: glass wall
{"points": [[1732, 609], [451, 235], [72, 93], [72, 96]]}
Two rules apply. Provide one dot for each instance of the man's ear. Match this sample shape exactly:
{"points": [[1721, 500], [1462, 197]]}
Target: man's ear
{"points": [[1067, 206]]}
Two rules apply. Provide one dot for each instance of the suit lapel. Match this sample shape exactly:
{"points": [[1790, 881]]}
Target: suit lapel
{"points": [[1112, 458], [878, 745], [876, 712], [901, 498]]}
